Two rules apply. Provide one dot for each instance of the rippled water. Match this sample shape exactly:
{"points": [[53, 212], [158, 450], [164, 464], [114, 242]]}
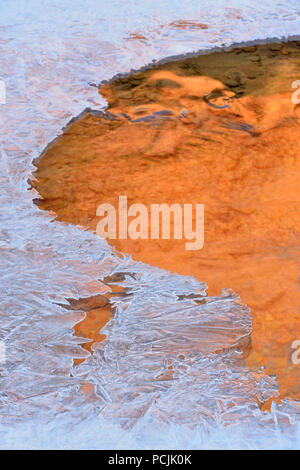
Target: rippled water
{"points": [[50, 52]]}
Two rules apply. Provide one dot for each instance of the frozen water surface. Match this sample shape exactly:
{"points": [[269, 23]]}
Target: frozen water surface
{"points": [[156, 381]]}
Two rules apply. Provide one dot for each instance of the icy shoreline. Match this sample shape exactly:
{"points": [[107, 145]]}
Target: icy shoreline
{"points": [[50, 53]]}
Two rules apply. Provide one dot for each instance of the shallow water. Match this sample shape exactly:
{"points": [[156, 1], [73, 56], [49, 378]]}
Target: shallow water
{"points": [[236, 159], [50, 52]]}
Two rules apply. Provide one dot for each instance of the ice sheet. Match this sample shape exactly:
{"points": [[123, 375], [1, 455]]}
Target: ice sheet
{"points": [[124, 395]]}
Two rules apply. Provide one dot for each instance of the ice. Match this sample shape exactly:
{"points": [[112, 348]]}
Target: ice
{"points": [[125, 394]]}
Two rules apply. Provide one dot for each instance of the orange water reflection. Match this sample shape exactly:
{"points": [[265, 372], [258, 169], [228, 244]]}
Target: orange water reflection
{"points": [[237, 152]]}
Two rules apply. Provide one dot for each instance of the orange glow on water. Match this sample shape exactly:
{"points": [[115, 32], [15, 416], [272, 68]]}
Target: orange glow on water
{"points": [[241, 161]]}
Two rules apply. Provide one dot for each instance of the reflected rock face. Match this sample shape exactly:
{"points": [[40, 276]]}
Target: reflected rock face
{"points": [[220, 130]]}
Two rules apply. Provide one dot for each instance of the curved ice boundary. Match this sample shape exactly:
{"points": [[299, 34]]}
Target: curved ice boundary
{"points": [[124, 395]]}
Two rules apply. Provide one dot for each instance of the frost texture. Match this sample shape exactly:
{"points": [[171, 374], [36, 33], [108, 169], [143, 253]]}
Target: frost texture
{"points": [[156, 381]]}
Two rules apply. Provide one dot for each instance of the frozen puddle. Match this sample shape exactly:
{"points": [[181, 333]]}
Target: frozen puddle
{"points": [[156, 380]]}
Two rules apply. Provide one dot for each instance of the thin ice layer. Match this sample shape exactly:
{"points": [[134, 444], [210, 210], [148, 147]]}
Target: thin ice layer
{"points": [[49, 53]]}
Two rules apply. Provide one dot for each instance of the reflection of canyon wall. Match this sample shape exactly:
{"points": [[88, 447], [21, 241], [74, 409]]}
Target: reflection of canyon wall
{"points": [[221, 130]]}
